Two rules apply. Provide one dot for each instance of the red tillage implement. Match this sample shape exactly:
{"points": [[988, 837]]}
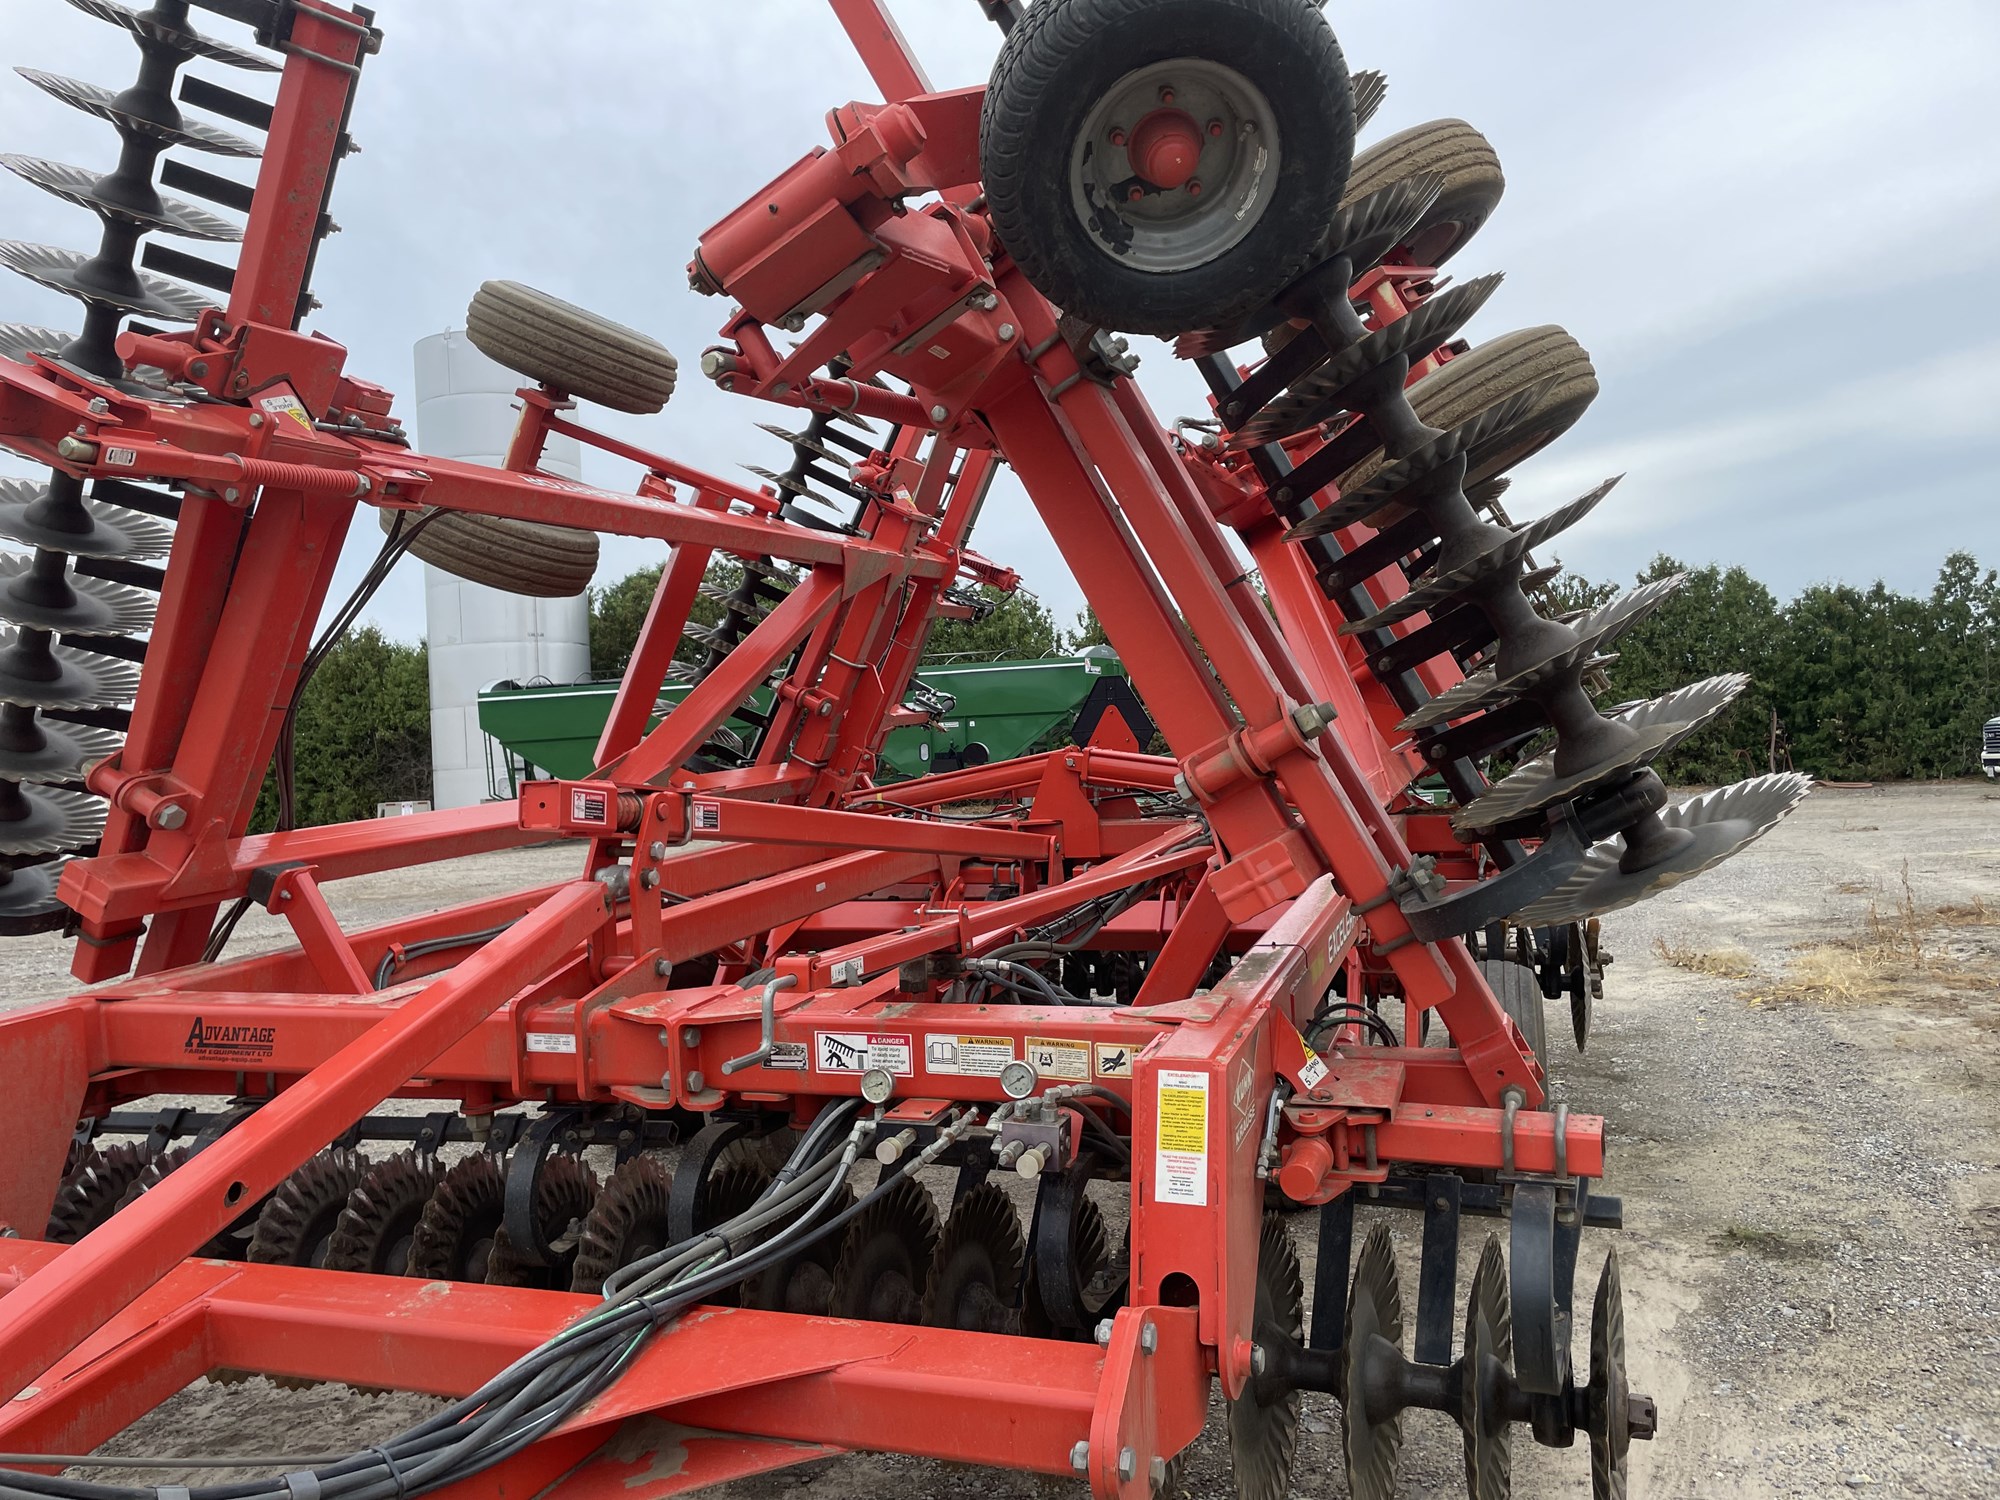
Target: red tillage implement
{"points": [[1149, 988]]}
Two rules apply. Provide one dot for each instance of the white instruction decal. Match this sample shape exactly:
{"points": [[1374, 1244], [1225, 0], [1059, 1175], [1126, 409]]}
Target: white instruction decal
{"points": [[976, 1056], [551, 1041], [1180, 1167], [1054, 1057]]}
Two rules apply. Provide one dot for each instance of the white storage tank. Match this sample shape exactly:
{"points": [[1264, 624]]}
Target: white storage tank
{"points": [[466, 409]]}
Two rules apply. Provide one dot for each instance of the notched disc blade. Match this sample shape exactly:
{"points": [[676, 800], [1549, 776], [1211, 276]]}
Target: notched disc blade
{"points": [[1723, 822], [28, 900], [62, 676], [90, 528], [20, 340], [97, 100], [149, 28], [39, 749], [1660, 723], [1322, 393], [47, 819], [1370, 86], [78, 185], [70, 272], [1504, 554], [1594, 631], [76, 604]]}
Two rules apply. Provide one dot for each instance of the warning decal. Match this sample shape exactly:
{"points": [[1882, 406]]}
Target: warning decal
{"points": [[587, 806], [1054, 1057], [1180, 1170], [706, 816], [978, 1056], [858, 1051], [1114, 1059]]}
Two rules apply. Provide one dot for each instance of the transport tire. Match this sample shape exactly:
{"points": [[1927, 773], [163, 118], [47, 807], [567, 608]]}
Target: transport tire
{"points": [[518, 557], [1459, 390], [1520, 995], [1100, 115], [1473, 183], [574, 350]]}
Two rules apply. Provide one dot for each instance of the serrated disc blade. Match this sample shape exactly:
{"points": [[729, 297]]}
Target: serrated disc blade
{"points": [[89, 528], [62, 676], [1370, 86], [1597, 629], [1369, 228], [28, 899], [47, 820], [1723, 822], [33, 748], [96, 100], [130, 291], [1488, 432], [151, 29], [1321, 394], [78, 185], [1660, 724], [20, 340], [1505, 553], [75, 604], [810, 443]]}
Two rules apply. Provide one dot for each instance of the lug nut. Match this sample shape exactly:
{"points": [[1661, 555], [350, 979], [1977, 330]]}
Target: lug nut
{"points": [[1215, 127], [1194, 187], [1117, 137], [1134, 193], [1166, 96]]}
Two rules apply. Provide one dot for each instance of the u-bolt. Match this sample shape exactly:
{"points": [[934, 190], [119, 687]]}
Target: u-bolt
{"points": [[769, 1001]]}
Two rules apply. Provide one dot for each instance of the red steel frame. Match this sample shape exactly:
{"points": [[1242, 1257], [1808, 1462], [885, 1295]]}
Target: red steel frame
{"points": [[1304, 834]]}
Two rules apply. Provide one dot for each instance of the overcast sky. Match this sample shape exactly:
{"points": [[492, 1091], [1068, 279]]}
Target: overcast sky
{"points": [[1775, 227]]}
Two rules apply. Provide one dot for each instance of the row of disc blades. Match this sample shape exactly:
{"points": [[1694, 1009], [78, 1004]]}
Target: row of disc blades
{"points": [[1333, 391], [76, 602], [408, 1214]]}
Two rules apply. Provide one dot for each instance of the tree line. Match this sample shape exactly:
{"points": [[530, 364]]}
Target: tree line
{"points": [[1847, 683]]}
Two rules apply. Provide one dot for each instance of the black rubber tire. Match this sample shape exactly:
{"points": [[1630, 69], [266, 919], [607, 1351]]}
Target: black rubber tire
{"points": [[518, 557], [1458, 391], [1473, 183], [1061, 59], [568, 347], [1520, 995]]}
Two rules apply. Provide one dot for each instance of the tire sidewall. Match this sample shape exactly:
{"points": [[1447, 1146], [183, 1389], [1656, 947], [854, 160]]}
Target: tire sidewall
{"points": [[1315, 145]]}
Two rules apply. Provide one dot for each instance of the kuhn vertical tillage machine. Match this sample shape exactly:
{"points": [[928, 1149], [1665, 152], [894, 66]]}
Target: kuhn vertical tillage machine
{"points": [[1152, 987]]}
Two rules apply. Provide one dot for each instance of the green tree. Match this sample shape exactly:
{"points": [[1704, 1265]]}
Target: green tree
{"points": [[1020, 626], [362, 735], [1719, 621], [618, 614]]}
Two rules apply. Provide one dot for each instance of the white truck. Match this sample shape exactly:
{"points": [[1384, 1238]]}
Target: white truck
{"points": [[1989, 749]]}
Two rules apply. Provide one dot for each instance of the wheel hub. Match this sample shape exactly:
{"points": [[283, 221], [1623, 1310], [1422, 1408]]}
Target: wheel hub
{"points": [[1175, 164]]}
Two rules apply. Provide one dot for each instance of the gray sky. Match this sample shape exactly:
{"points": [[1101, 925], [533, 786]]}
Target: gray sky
{"points": [[1773, 225]]}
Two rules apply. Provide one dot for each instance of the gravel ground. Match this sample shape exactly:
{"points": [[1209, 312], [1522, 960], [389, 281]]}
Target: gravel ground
{"points": [[1813, 1246]]}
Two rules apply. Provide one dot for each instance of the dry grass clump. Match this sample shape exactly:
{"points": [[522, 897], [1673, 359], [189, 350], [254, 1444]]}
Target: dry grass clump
{"points": [[1721, 963], [1898, 942]]}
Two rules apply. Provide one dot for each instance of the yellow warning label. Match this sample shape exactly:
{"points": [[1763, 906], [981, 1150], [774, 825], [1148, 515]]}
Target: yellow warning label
{"points": [[1180, 1165]]}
